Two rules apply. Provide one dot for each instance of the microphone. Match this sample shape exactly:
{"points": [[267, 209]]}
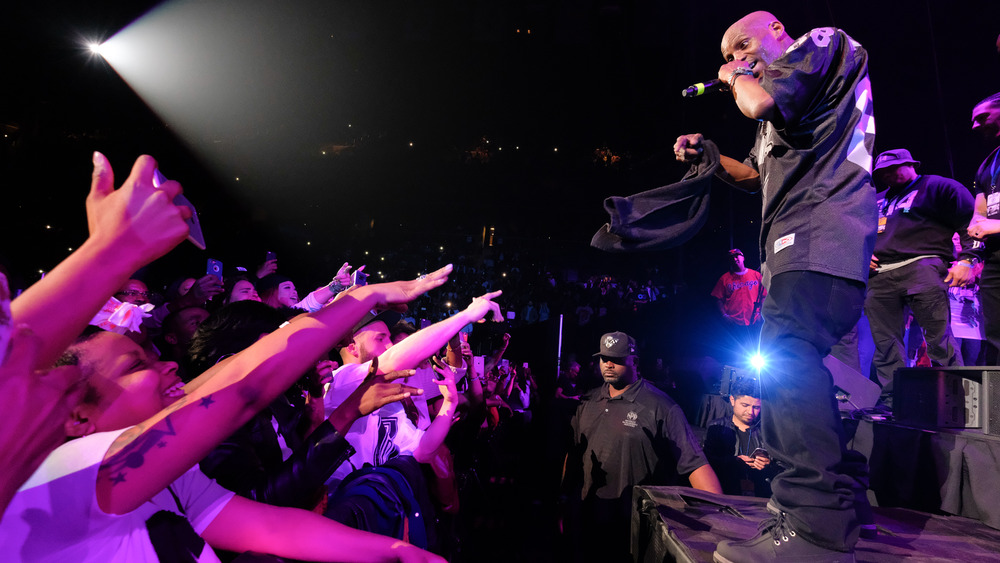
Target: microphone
{"points": [[704, 88]]}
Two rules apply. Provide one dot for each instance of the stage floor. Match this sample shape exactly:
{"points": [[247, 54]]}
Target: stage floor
{"points": [[682, 524]]}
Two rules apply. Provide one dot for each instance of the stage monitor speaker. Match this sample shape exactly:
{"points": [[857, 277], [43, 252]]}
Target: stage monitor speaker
{"points": [[990, 401], [856, 390], [947, 397]]}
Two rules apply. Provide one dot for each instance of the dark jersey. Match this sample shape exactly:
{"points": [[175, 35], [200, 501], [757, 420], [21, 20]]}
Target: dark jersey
{"points": [[919, 219], [639, 437], [986, 183], [815, 159]]}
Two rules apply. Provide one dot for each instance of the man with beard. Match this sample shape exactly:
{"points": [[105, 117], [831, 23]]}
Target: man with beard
{"points": [[985, 225], [734, 445], [628, 432]]}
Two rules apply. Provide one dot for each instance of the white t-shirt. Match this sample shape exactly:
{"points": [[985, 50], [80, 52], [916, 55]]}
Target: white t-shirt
{"points": [[55, 515], [376, 438]]}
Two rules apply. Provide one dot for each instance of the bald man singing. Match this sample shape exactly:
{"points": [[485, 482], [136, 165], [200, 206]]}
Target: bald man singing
{"points": [[812, 160]]}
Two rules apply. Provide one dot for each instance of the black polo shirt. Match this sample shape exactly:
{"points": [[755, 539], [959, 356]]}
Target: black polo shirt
{"points": [[639, 437]]}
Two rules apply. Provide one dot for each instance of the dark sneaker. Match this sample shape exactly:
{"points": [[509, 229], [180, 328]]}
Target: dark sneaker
{"points": [[777, 541]]}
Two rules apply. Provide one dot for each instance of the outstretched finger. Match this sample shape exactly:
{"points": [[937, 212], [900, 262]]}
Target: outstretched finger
{"points": [[102, 182], [439, 273], [383, 401], [497, 315], [398, 374]]}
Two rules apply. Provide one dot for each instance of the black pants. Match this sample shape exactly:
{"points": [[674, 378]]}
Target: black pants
{"points": [[989, 298], [919, 286], [805, 314]]}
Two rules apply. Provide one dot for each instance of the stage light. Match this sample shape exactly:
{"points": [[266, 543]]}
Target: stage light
{"points": [[95, 48], [757, 361]]}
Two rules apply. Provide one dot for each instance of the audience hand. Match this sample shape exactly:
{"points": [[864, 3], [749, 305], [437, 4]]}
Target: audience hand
{"points": [[402, 292], [324, 371], [343, 276], [202, 291], [35, 407], [483, 305], [376, 391], [409, 553], [267, 268], [141, 221], [446, 381]]}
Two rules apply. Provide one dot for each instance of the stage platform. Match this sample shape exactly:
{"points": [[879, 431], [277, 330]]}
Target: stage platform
{"points": [[683, 524], [953, 471]]}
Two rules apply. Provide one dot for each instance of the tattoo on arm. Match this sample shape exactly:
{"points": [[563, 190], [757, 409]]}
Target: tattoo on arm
{"points": [[140, 440], [133, 454]]}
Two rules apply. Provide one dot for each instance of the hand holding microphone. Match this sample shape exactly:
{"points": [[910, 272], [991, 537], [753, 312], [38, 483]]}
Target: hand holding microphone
{"points": [[728, 73]]}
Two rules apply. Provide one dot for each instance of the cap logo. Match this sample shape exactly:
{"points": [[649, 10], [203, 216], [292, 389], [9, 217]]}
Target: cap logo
{"points": [[610, 341]]}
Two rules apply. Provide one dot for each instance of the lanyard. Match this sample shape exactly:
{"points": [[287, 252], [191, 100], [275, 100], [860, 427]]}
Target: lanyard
{"points": [[995, 169]]}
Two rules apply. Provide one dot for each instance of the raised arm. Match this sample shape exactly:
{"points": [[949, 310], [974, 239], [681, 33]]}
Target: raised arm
{"points": [[753, 100], [426, 342], [493, 360], [244, 525], [150, 456], [129, 228], [436, 433], [35, 407]]}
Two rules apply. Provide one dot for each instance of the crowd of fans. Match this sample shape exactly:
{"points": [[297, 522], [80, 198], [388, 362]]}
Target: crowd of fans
{"points": [[140, 389]]}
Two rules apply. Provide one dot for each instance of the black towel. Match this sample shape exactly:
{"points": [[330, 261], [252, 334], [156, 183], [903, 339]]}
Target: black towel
{"points": [[663, 217]]}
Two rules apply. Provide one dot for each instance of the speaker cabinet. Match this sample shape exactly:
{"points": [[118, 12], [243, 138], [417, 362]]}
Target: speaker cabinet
{"points": [[990, 401], [953, 397], [856, 390]]}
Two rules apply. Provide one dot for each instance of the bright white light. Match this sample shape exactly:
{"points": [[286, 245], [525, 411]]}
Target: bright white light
{"points": [[757, 361], [111, 50]]}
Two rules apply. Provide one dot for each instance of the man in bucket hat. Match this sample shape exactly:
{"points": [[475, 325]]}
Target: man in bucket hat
{"points": [[913, 264], [627, 432]]}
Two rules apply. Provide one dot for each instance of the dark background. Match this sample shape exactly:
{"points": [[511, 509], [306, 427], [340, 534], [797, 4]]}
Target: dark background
{"points": [[446, 76]]}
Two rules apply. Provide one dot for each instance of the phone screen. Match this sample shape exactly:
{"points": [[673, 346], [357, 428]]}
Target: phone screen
{"points": [[214, 268]]}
